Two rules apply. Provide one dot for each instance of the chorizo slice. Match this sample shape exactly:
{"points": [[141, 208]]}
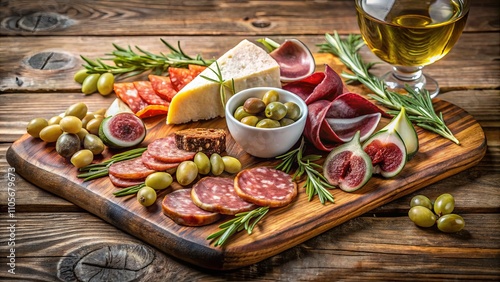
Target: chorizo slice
{"points": [[130, 169], [152, 163], [165, 149], [179, 207], [122, 183]]}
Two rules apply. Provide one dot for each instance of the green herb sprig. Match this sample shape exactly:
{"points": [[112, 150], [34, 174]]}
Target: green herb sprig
{"points": [[223, 84], [417, 103], [316, 183], [129, 190], [94, 171], [128, 63], [245, 220]]}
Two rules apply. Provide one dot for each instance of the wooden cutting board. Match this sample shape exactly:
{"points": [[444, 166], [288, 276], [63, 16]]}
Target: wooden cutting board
{"points": [[282, 228]]}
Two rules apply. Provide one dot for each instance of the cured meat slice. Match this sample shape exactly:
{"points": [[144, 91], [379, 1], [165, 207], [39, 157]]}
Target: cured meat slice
{"points": [[130, 169], [152, 110], [148, 94], [196, 69], [127, 92], [162, 86], [265, 186], [217, 194], [122, 183], [180, 77], [180, 208], [165, 150], [152, 163]]}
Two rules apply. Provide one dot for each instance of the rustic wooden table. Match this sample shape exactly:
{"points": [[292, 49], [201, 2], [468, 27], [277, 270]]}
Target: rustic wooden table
{"points": [[54, 239]]}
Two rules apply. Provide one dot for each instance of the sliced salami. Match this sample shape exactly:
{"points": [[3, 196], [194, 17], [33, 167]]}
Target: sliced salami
{"points": [[181, 76], [148, 94], [152, 163], [122, 183], [162, 86], [130, 169], [180, 208], [165, 150], [265, 186], [217, 194], [127, 92]]}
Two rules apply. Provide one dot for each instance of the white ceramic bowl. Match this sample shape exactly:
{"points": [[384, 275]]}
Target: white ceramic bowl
{"points": [[265, 142]]}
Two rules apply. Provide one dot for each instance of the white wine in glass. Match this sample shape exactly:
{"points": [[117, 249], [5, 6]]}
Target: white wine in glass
{"points": [[410, 34]]}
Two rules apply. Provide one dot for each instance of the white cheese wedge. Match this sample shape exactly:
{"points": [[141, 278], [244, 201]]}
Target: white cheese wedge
{"points": [[247, 64]]}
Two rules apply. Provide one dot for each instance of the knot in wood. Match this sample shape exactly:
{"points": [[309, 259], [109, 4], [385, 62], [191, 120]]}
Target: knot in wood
{"points": [[261, 23], [50, 61]]}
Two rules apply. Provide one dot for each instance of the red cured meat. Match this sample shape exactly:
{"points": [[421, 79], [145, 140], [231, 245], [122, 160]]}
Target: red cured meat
{"points": [[165, 150], [127, 92], [217, 194], [148, 94], [130, 169], [265, 186], [122, 183], [180, 77], [152, 163], [180, 208], [162, 86]]}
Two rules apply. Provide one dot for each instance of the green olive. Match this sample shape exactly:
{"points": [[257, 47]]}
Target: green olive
{"points": [[271, 96], [444, 204], [81, 75], [422, 216], [240, 113], [231, 164], [286, 121], [51, 133], [450, 223], [292, 110], [82, 133], [86, 119], [268, 123], [68, 144], [82, 158], [217, 164], [100, 112], [55, 120], [186, 173], [275, 110], [93, 143], [71, 124], [78, 110], [89, 85], [250, 120], [202, 162], [93, 125], [254, 105], [421, 200], [35, 126], [159, 180], [105, 83], [146, 196]]}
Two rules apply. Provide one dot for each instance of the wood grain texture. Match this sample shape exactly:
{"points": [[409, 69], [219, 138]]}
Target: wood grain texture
{"points": [[284, 228]]}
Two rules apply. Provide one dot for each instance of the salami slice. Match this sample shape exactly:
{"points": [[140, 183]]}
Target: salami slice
{"points": [[130, 169], [148, 94], [217, 194], [180, 77], [162, 86], [152, 110], [127, 92], [165, 150], [152, 163], [196, 69], [265, 186], [122, 183], [180, 208]]}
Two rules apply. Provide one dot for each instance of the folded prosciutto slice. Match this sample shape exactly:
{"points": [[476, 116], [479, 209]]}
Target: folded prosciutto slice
{"points": [[335, 114]]}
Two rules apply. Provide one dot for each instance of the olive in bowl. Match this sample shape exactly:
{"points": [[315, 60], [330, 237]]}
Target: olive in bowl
{"points": [[271, 131]]}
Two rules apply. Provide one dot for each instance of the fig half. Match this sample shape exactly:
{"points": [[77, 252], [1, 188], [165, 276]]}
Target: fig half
{"points": [[387, 152], [402, 124], [348, 166]]}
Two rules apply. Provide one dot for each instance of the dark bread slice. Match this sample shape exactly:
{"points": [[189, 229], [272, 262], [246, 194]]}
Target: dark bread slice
{"points": [[207, 140]]}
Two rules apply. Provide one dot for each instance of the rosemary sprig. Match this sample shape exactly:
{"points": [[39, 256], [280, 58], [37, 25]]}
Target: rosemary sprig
{"points": [[128, 63], [316, 183], [223, 84], [129, 190], [94, 171], [417, 103], [245, 220]]}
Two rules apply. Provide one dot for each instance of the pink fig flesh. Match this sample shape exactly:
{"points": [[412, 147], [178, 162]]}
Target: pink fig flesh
{"points": [[388, 154]]}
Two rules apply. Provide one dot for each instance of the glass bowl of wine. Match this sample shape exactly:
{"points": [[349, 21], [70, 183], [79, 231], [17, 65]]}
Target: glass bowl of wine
{"points": [[411, 34]]}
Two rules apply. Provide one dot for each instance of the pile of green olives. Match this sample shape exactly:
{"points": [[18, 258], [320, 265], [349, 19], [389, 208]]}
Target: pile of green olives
{"points": [[188, 171], [159, 180], [92, 82], [424, 213], [75, 132], [267, 112]]}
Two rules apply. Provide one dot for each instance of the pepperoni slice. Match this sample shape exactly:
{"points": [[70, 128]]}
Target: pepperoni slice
{"points": [[148, 94], [217, 194], [196, 69], [180, 77], [130, 169], [127, 92], [179, 207], [152, 110], [122, 183], [152, 163], [162, 86], [165, 150], [265, 186]]}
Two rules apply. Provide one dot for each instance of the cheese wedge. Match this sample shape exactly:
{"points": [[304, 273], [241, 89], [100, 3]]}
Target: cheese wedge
{"points": [[247, 64]]}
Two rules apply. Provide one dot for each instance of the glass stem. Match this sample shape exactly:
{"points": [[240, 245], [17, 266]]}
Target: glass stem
{"points": [[407, 73]]}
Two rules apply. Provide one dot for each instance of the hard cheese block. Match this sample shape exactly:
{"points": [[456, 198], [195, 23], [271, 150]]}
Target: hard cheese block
{"points": [[247, 64]]}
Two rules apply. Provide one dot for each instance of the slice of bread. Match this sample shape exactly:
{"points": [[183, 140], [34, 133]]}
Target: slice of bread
{"points": [[207, 140]]}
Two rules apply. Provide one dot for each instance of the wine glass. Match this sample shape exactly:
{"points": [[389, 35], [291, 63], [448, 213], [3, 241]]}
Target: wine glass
{"points": [[410, 34]]}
